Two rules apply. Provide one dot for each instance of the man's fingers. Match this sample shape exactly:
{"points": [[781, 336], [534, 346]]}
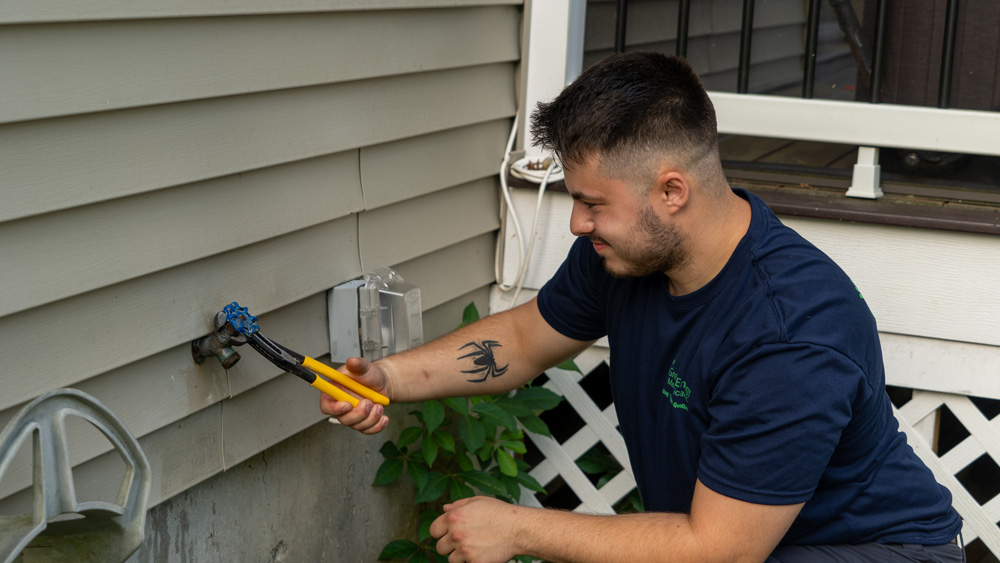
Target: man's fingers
{"points": [[367, 417], [358, 366]]}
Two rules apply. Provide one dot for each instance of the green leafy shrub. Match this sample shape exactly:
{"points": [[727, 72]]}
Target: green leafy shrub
{"points": [[483, 460]]}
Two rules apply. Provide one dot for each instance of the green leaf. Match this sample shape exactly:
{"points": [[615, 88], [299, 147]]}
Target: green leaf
{"points": [[388, 472], [515, 446], [390, 451], [419, 557], [398, 549], [418, 472], [429, 449], [529, 482], [534, 424], [512, 486], [464, 462], [514, 406], [460, 490], [457, 404], [538, 398], [593, 466], [437, 485], [433, 414], [439, 558], [471, 433], [470, 314], [496, 415], [445, 440], [524, 559], [484, 482], [569, 365], [511, 435], [409, 435], [506, 463]]}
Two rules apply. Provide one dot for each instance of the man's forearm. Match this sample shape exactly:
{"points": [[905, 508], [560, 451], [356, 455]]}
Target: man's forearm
{"points": [[559, 536], [718, 530], [493, 355]]}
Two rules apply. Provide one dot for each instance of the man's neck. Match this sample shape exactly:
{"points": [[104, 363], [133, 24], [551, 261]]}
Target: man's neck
{"points": [[710, 243]]}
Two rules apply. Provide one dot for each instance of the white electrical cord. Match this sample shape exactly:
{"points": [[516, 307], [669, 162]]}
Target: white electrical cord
{"points": [[531, 170]]}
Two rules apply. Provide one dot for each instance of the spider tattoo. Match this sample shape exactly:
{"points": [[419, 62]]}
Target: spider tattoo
{"points": [[486, 364]]}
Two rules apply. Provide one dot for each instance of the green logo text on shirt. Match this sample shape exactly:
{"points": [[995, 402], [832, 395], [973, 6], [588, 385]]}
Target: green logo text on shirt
{"points": [[679, 391]]}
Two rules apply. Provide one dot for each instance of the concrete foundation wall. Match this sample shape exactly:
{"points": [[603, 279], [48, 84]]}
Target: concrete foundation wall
{"points": [[306, 499]]}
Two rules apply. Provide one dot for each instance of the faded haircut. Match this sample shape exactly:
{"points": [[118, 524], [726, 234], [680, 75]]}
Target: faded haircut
{"points": [[633, 110]]}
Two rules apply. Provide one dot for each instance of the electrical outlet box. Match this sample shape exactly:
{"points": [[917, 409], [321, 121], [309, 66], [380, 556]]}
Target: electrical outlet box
{"points": [[374, 317]]}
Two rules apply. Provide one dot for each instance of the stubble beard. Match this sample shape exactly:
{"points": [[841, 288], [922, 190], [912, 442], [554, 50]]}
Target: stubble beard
{"points": [[651, 247]]}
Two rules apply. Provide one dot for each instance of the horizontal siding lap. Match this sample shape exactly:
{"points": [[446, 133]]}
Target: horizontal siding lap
{"points": [[71, 10], [296, 406], [65, 69], [398, 232], [452, 270], [154, 231], [115, 154], [110, 327], [393, 172], [445, 317]]}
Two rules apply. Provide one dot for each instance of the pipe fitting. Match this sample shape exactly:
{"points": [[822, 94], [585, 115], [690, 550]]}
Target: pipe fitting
{"points": [[219, 343]]}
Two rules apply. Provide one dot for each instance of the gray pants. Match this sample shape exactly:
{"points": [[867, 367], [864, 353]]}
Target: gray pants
{"points": [[868, 553]]}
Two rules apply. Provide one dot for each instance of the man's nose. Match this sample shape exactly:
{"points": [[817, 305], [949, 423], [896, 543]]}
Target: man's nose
{"points": [[580, 221]]}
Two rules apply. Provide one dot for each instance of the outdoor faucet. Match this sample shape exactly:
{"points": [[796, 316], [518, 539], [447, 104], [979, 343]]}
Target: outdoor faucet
{"points": [[220, 342]]}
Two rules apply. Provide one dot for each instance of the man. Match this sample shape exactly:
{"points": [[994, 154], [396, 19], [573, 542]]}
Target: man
{"points": [[745, 366]]}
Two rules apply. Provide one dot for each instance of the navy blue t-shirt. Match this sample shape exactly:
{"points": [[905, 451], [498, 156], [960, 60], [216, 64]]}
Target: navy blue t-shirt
{"points": [[766, 384]]}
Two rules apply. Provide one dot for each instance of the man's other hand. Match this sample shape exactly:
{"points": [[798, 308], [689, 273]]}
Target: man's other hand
{"points": [[476, 530]]}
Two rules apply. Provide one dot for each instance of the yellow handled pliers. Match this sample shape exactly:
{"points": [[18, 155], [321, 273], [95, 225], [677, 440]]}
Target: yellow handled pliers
{"points": [[297, 364]]}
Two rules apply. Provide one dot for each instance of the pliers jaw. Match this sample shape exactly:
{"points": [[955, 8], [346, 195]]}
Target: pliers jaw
{"points": [[280, 356]]}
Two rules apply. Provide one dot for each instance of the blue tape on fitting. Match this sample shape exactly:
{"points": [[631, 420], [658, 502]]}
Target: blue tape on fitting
{"points": [[241, 319]]}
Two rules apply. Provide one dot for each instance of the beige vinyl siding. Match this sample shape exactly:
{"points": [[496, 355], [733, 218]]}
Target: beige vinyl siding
{"points": [[713, 37], [159, 165], [72, 10]]}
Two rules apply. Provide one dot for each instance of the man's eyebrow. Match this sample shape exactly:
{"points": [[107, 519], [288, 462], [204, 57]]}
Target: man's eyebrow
{"points": [[582, 195]]}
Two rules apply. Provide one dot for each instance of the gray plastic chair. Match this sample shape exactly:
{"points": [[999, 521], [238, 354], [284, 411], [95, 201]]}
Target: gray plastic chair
{"points": [[108, 532]]}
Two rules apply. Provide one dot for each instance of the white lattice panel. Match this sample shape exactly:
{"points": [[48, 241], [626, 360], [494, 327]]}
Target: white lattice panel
{"points": [[599, 426], [984, 438]]}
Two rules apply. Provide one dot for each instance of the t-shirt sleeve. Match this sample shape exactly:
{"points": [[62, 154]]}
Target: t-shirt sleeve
{"points": [[570, 301], [776, 417]]}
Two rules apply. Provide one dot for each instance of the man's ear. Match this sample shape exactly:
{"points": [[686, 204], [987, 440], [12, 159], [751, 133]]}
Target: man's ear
{"points": [[671, 192]]}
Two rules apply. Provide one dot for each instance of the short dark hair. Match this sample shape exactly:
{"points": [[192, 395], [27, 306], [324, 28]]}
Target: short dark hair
{"points": [[628, 108]]}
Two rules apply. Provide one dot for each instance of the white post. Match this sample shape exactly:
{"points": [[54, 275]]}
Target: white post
{"points": [[867, 179], [553, 56]]}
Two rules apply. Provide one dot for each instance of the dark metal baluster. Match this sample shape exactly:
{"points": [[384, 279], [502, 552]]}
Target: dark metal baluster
{"points": [[948, 54], [620, 15], [875, 96], [746, 36], [682, 27], [812, 39]]}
